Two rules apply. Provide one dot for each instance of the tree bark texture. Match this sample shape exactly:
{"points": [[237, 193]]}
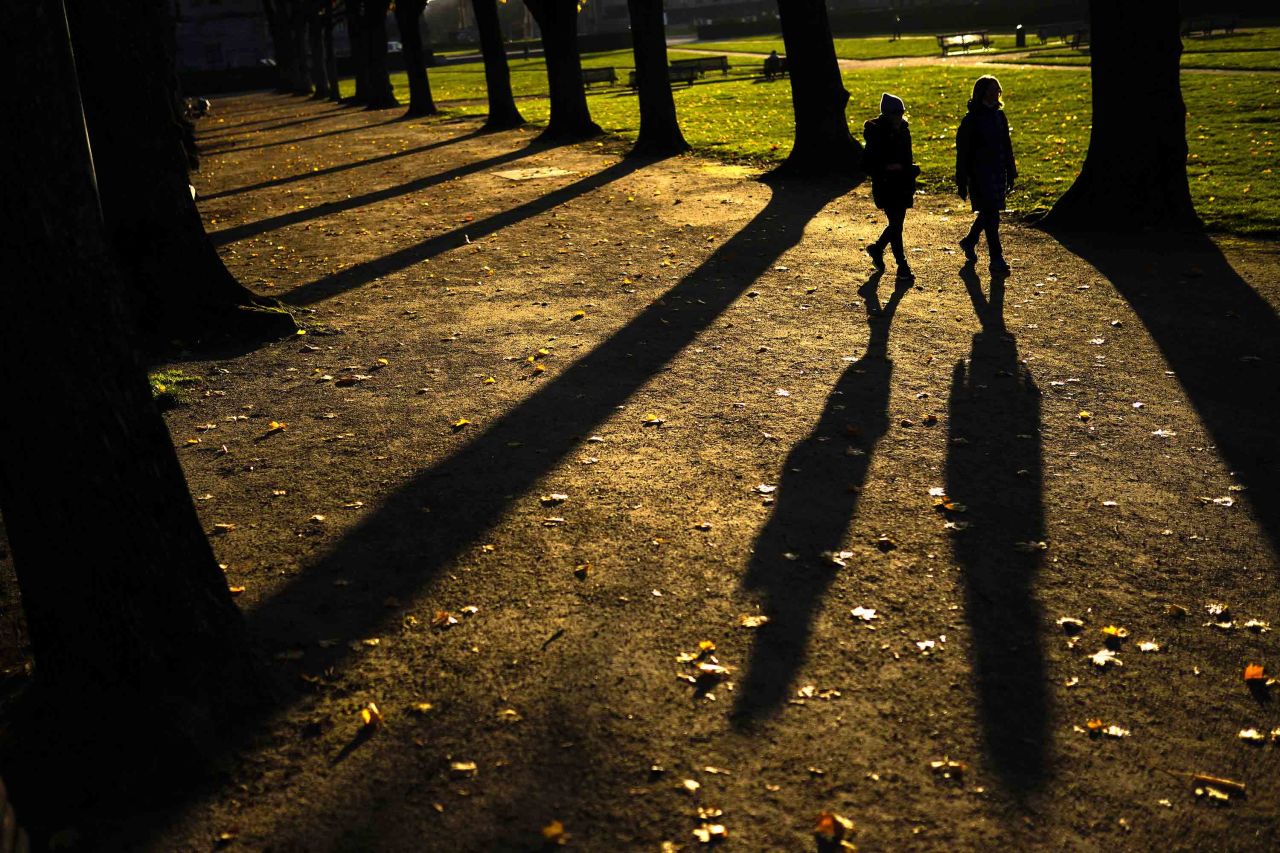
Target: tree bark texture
{"points": [[660, 134], [408, 14], [1135, 172], [180, 288], [381, 95], [823, 144], [570, 118], [503, 112], [129, 615]]}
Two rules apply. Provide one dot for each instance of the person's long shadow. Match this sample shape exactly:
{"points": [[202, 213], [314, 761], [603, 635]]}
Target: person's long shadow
{"points": [[994, 472], [365, 272], [794, 557], [328, 208], [342, 167], [1219, 337]]}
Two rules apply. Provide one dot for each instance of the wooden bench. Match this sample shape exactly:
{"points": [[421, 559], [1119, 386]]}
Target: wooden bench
{"points": [[775, 66], [605, 75], [1062, 30], [963, 41], [1206, 26], [683, 74], [703, 64]]}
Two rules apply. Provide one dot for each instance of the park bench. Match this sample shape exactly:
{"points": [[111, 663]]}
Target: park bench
{"points": [[1062, 30], [1078, 38], [682, 74], [963, 41], [1206, 26], [604, 75], [703, 64], [775, 66]]}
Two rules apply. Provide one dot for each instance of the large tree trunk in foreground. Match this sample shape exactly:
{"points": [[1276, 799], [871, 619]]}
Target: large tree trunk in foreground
{"points": [[823, 144], [1135, 174], [408, 13], [132, 628], [659, 129], [503, 113], [181, 289], [570, 118], [381, 95]]}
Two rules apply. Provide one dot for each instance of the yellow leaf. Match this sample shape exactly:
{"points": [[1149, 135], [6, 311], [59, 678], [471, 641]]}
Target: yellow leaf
{"points": [[554, 833], [235, 590], [1085, 415], [459, 425], [421, 707], [370, 716], [578, 315], [489, 380]]}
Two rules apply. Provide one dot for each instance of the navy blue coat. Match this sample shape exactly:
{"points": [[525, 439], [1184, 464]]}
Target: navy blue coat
{"points": [[984, 157], [890, 190]]}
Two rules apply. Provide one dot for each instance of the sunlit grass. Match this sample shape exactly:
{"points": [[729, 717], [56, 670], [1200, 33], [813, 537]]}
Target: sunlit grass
{"points": [[1232, 127], [867, 47]]}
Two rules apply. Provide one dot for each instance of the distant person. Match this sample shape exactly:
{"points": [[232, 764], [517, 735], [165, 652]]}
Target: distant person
{"points": [[897, 27], [772, 65], [887, 159], [985, 170]]}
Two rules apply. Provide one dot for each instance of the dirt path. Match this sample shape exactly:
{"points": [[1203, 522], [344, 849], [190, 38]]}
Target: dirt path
{"points": [[545, 436]]}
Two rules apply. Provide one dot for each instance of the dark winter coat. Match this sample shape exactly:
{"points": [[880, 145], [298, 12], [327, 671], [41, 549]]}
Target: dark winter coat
{"points": [[891, 190], [984, 157]]}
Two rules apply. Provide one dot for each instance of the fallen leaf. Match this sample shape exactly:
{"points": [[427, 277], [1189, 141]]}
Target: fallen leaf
{"points": [[750, 621], [1254, 673], [1149, 646], [1030, 547], [421, 707], [370, 716], [578, 315], [1085, 415], [553, 499], [710, 833], [833, 829], [554, 833], [1070, 625], [459, 425], [443, 619], [1104, 658], [463, 768], [866, 614], [1252, 736]]}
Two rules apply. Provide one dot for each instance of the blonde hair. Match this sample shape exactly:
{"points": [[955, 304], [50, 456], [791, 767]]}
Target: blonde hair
{"points": [[980, 87]]}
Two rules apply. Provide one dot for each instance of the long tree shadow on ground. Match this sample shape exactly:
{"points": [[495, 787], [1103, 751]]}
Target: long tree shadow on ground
{"points": [[329, 208], [994, 472], [363, 273], [794, 556], [233, 149], [399, 550], [228, 131], [1219, 337], [343, 167]]}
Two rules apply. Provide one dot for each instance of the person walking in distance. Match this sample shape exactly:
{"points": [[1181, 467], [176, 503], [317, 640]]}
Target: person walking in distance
{"points": [[985, 169], [887, 159]]}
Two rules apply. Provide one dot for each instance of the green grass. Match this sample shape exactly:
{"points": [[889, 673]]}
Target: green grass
{"points": [[1232, 129], [864, 47], [172, 388]]}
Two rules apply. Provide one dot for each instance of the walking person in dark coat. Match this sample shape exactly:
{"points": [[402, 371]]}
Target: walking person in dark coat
{"points": [[887, 159], [985, 170]]}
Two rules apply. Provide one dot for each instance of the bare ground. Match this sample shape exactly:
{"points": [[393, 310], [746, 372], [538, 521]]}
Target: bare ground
{"points": [[636, 349]]}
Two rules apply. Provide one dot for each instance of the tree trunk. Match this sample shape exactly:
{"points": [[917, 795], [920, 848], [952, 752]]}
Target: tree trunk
{"points": [[408, 13], [823, 144], [319, 70], [130, 619], [301, 82], [277, 14], [1135, 173], [381, 95], [503, 113], [660, 134], [570, 118], [330, 57], [359, 55], [181, 289]]}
